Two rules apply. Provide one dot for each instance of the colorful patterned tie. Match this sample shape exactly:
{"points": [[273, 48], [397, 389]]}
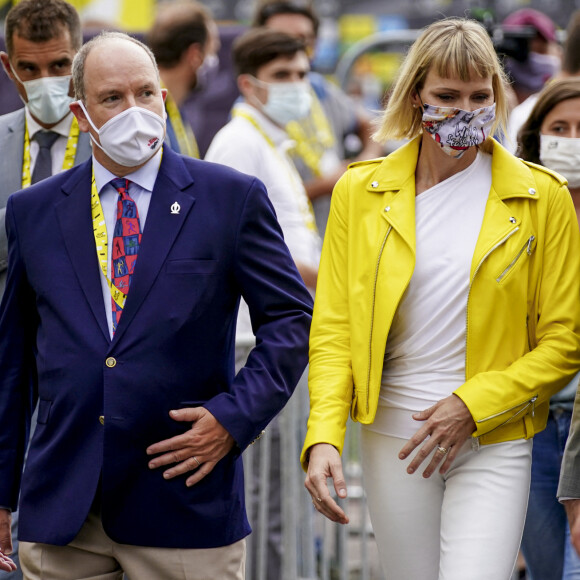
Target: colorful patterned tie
{"points": [[126, 242]]}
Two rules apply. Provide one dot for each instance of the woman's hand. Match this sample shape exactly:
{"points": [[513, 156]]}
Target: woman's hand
{"points": [[325, 462], [448, 425]]}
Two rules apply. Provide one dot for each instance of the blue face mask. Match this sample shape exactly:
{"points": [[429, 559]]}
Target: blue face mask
{"points": [[48, 98], [286, 101]]}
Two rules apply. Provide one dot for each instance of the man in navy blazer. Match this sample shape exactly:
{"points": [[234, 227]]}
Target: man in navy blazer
{"points": [[140, 429]]}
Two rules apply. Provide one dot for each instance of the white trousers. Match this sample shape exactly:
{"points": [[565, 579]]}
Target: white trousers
{"points": [[465, 525]]}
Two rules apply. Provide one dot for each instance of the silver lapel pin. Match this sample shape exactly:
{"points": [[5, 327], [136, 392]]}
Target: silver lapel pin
{"points": [[175, 208]]}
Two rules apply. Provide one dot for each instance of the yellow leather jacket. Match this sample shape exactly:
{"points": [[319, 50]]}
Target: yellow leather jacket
{"points": [[523, 310]]}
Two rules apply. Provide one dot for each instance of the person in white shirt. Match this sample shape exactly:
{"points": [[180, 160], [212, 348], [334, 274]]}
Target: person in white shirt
{"points": [[272, 69]]}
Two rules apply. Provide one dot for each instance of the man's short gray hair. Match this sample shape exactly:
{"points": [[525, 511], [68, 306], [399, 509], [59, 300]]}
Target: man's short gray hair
{"points": [[78, 66]]}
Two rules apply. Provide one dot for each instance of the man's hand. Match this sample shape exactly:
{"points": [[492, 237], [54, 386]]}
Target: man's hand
{"points": [[6, 563], [448, 425], [572, 507], [325, 463], [197, 450]]}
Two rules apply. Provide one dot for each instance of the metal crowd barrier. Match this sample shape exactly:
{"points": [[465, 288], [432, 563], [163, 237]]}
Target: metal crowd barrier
{"points": [[312, 547]]}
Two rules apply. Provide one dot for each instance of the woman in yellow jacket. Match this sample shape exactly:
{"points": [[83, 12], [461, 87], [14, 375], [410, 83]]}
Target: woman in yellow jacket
{"points": [[447, 313]]}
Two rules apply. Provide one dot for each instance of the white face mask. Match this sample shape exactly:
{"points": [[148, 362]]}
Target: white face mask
{"points": [[562, 154], [48, 98], [210, 63], [130, 138], [287, 101]]}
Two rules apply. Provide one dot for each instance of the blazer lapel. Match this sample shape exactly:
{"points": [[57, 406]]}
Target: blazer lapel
{"points": [[164, 222], [74, 217]]}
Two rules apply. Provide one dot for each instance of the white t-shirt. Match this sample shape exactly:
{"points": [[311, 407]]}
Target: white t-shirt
{"points": [[261, 151], [425, 352]]}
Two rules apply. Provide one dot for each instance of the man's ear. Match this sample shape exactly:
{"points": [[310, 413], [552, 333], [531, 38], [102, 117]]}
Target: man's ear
{"points": [[245, 85], [194, 55], [78, 112], [6, 66], [164, 94]]}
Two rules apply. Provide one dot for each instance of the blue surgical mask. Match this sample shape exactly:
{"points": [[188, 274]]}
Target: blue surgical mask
{"points": [[286, 101], [48, 98]]}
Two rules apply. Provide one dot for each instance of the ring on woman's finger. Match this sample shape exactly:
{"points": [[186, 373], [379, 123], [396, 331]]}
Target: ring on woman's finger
{"points": [[197, 461], [442, 450], [318, 499]]}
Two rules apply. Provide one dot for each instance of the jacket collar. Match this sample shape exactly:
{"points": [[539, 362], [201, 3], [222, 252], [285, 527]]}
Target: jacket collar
{"points": [[510, 177]]}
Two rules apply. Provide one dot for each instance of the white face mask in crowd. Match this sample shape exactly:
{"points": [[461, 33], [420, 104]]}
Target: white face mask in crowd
{"points": [[48, 98], [130, 138], [562, 154], [455, 130], [286, 101]]}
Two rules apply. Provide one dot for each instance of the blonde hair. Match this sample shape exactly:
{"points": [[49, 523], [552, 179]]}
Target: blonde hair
{"points": [[452, 47]]}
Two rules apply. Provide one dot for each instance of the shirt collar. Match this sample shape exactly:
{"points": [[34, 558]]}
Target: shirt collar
{"points": [[276, 133], [144, 177], [62, 127]]}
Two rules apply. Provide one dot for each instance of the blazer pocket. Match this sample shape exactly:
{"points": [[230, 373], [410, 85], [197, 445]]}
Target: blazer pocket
{"points": [[44, 407], [188, 266]]}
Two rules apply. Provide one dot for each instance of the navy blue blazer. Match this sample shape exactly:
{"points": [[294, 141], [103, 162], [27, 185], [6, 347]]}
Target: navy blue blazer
{"points": [[174, 347]]}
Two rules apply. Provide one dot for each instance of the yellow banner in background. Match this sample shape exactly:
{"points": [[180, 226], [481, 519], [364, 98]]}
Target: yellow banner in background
{"points": [[129, 15], [137, 14]]}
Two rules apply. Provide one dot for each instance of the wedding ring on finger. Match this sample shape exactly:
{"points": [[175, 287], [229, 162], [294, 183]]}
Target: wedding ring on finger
{"points": [[442, 450], [197, 461]]}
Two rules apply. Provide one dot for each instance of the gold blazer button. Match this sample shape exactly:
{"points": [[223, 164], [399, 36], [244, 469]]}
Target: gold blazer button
{"points": [[111, 362], [102, 419]]}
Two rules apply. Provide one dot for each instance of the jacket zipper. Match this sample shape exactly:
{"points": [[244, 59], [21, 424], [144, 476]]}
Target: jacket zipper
{"points": [[527, 246], [475, 440], [526, 404], [373, 312], [532, 402]]}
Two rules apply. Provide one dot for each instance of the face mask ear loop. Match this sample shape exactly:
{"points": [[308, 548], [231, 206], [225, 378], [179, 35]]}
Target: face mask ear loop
{"points": [[22, 83], [82, 106], [88, 117], [257, 103], [14, 73], [421, 106]]}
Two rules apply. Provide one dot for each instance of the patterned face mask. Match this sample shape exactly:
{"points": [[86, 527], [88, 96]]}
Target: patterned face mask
{"points": [[455, 130]]}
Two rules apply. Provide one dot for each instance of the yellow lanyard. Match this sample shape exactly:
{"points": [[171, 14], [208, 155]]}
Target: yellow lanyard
{"points": [[101, 242], [305, 208], [312, 136], [69, 156], [184, 134]]}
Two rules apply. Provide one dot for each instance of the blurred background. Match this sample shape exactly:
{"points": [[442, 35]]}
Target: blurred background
{"points": [[351, 46]]}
